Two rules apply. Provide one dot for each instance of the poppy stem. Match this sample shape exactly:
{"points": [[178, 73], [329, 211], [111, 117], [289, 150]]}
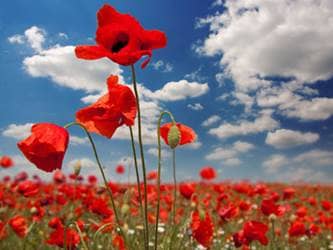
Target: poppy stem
{"points": [[174, 186], [137, 177], [142, 157], [103, 175], [159, 170]]}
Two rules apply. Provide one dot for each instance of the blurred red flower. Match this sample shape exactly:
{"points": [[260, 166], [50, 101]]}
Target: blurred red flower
{"points": [[152, 175], [56, 238], [46, 146], [19, 224], [28, 188], [202, 228], [6, 161], [252, 230], [187, 134], [186, 189], [112, 110], [121, 38], [208, 173], [268, 207], [297, 229], [120, 169]]}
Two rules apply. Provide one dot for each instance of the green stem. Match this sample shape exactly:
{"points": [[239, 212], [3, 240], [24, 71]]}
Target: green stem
{"points": [[103, 175], [142, 157], [174, 186], [137, 178], [159, 170]]}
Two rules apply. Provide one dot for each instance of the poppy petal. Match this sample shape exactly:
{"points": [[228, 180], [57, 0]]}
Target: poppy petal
{"points": [[90, 52]]}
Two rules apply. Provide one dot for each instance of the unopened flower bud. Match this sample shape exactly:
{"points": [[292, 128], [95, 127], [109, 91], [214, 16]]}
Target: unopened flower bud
{"points": [[77, 168], [173, 136]]}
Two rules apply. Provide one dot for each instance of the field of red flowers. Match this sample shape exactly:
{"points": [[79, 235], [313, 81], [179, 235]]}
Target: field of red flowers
{"points": [[75, 212]]}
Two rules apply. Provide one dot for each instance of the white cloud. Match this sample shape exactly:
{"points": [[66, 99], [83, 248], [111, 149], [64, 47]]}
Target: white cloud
{"points": [[210, 120], [320, 108], [285, 138], [18, 39], [303, 174], [272, 38], [194, 145], [232, 162], [61, 65], [274, 163], [183, 89], [35, 37], [229, 155], [84, 163], [75, 140], [18, 131], [195, 106], [241, 146], [262, 123], [162, 66], [315, 157]]}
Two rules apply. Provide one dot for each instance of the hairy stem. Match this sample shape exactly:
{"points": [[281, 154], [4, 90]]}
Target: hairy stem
{"points": [[159, 170], [142, 157], [137, 178], [103, 175]]}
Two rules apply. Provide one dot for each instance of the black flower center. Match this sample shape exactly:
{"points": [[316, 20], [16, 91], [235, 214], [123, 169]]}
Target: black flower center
{"points": [[120, 42]]}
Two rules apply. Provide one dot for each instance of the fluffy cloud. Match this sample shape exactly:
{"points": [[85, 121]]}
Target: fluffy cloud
{"points": [[315, 157], [285, 138], [35, 37], [262, 123], [195, 106], [17, 131], [274, 163], [75, 140], [269, 38], [211, 120], [229, 155], [183, 89], [60, 64]]}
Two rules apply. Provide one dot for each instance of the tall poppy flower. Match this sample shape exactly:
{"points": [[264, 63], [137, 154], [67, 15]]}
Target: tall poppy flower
{"points": [[46, 146], [187, 134], [6, 161], [122, 39], [208, 173], [112, 110], [120, 169]]}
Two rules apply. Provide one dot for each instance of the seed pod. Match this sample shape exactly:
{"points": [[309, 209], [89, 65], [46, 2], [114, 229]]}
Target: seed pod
{"points": [[173, 136]]}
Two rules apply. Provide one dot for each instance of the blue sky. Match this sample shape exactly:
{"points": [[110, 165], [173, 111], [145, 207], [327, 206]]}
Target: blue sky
{"points": [[254, 80]]}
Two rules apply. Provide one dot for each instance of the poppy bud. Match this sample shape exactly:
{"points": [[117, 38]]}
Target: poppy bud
{"points": [[202, 214], [77, 168], [173, 136], [124, 208]]}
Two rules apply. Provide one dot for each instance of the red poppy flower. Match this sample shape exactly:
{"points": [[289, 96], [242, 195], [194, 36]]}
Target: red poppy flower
{"points": [[112, 110], [59, 176], [19, 225], [228, 212], [202, 228], [187, 134], [255, 230], [28, 188], [208, 173], [6, 161], [186, 189], [152, 175], [121, 38], [297, 229], [56, 238], [46, 146], [120, 169], [269, 207]]}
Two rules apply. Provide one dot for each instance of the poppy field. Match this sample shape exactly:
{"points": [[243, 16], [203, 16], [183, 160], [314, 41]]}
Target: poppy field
{"points": [[75, 211], [88, 212]]}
